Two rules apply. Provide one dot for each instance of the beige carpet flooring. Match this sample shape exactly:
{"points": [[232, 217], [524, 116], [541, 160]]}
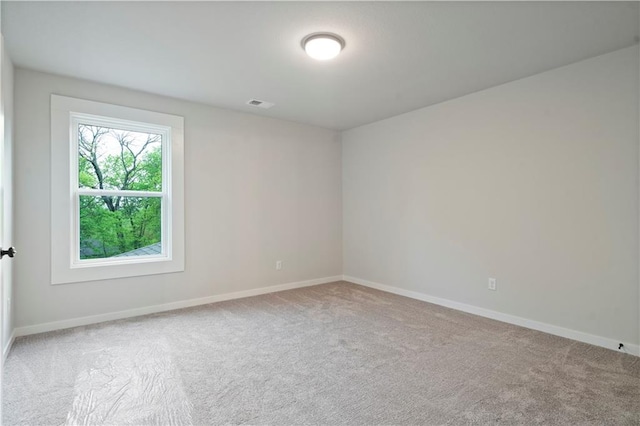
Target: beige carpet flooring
{"points": [[331, 354]]}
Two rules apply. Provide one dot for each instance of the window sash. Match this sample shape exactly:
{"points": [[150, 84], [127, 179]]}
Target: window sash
{"points": [[165, 233], [118, 193]]}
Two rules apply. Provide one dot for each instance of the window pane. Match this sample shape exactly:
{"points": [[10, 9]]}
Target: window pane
{"points": [[119, 226], [110, 158]]}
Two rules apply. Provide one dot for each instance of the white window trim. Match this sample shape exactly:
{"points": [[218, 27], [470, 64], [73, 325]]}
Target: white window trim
{"points": [[66, 267]]}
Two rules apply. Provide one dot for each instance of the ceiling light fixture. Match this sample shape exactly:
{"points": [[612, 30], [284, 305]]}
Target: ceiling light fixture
{"points": [[323, 46]]}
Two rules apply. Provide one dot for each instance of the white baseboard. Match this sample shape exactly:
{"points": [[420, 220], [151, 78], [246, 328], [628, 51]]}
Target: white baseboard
{"points": [[7, 348], [93, 319], [487, 313], [511, 319]]}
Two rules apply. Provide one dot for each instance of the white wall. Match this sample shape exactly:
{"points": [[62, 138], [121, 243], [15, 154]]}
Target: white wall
{"points": [[257, 190], [534, 182], [6, 107]]}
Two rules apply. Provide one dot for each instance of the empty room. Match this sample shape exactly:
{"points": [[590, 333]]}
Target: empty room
{"points": [[323, 213]]}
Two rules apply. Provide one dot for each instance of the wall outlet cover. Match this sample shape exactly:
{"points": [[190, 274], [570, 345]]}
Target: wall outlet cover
{"points": [[493, 284]]}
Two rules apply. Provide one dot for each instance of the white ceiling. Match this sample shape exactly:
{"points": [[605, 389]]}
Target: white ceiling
{"points": [[398, 57]]}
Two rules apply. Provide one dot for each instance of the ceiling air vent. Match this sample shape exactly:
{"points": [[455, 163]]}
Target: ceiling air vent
{"points": [[259, 104]]}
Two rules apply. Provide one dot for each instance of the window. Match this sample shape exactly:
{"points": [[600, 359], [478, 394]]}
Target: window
{"points": [[117, 191], [120, 189]]}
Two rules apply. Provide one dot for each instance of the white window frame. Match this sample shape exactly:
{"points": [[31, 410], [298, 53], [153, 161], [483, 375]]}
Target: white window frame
{"points": [[66, 265]]}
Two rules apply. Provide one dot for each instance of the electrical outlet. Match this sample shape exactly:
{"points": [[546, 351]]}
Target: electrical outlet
{"points": [[278, 265], [493, 284]]}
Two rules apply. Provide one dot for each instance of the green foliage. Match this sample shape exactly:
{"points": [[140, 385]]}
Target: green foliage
{"points": [[106, 233], [115, 159], [85, 177]]}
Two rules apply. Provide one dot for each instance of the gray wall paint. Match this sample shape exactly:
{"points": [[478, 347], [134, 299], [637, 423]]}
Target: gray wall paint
{"points": [[257, 190], [534, 182], [6, 79]]}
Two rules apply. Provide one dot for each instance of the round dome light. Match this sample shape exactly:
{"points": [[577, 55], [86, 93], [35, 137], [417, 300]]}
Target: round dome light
{"points": [[323, 46]]}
